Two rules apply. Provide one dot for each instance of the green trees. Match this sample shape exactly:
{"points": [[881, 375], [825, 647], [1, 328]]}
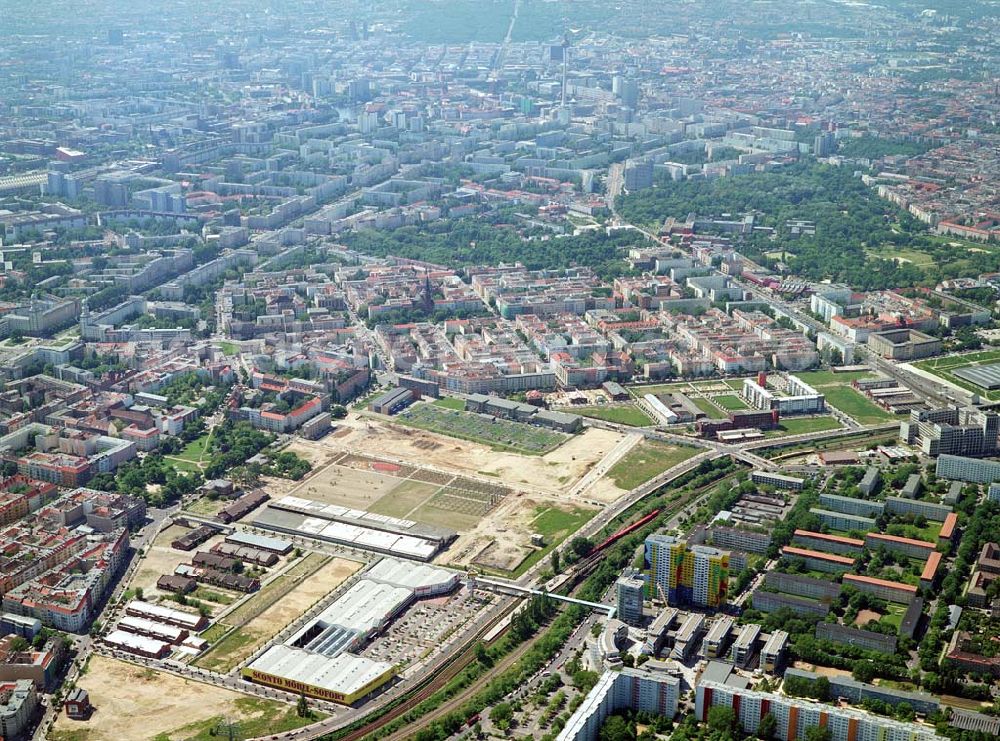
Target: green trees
{"points": [[501, 715], [493, 240], [767, 727], [617, 728], [849, 218]]}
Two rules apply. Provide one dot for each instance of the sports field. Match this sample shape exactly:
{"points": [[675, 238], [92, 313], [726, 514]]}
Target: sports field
{"points": [[400, 490], [500, 434], [710, 409], [943, 368]]}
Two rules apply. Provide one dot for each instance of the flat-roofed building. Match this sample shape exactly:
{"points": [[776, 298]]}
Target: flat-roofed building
{"points": [[916, 507], [795, 715], [745, 645], [843, 521], [847, 636], [641, 690], [777, 480], [871, 481], [765, 601], [851, 505], [773, 653], [803, 586], [717, 637]]}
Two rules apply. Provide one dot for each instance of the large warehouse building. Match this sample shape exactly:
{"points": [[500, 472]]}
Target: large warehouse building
{"points": [[392, 536], [317, 660]]}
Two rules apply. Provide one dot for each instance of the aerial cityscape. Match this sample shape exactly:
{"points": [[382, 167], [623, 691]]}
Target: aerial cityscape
{"points": [[477, 369]]}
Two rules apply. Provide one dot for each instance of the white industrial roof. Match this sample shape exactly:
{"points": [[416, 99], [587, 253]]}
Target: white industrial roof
{"points": [[410, 575], [365, 606], [164, 613], [345, 673], [170, 633], [135, 642]]}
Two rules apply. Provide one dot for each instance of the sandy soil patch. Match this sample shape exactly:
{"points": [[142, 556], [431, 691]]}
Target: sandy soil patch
{"points": [[502, 539], [553, 472], [156, 702], [825, 671], [865, 615]]}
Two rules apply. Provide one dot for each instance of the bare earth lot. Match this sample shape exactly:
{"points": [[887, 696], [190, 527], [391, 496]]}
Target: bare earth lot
{"points": [[135, 704], [553, 472]]}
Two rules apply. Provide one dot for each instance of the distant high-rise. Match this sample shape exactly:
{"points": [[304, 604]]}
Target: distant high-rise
{"points": [[626, 90], [638, 175], [824, 144], [116, 37]]}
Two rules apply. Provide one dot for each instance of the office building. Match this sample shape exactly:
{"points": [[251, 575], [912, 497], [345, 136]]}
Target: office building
{"points": [[745, 645], [767, 478], [962, 432], [629, 591], [794, 716], [687, 574], [773, 653]]}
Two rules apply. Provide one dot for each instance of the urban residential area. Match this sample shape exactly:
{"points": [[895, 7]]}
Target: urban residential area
{"points": [[436, 370]]}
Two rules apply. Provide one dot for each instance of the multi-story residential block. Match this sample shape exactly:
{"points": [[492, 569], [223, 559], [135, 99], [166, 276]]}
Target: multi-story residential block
{"points": [[629, 592], [634, 689], [967, 469], [687, 574], [843, 521], [955, 432], [795, 715], [828, 543], [819, 561], [893, 591]]}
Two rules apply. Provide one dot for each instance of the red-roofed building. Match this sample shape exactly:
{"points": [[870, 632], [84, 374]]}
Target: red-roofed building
{"points": [[819, 561], [930, 570], [949, 528], [907, 546], [828, 543], [893, 591]]}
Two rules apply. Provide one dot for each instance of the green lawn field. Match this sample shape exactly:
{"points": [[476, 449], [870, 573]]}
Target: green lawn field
{"points": [[730, 402], [619, 414], [803, 425], [646, 460], [853, 404]]}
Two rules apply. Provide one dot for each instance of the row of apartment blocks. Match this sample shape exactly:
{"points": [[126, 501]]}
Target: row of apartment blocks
{"points": [[61, 559], [66, 457]]}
